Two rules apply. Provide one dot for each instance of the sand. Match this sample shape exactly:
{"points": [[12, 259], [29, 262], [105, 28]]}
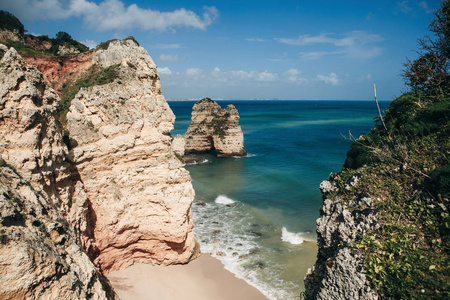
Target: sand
{"points": [[202, 279]]}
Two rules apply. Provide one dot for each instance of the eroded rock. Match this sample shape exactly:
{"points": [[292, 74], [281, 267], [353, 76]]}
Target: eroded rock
{"points": [[213, 128]]}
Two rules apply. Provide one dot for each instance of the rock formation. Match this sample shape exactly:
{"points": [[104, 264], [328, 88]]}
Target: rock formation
{"points": [[44, 210], [120, 195], [339, 270], [140, 192], [213, 128]]}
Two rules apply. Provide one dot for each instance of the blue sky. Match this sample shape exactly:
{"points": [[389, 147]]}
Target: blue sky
{"points": [[227, 49]]}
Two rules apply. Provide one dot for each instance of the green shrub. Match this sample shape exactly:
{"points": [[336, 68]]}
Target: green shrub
{"points": [[9, 22], [95, 75]]}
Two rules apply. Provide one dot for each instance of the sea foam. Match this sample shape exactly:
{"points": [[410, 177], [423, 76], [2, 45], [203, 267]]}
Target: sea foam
{"points": [[222, 199], [291, 237]]}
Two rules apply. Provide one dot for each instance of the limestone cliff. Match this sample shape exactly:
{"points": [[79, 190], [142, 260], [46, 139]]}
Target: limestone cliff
{"points": [[45, 214], [213, 128], [339, 270], [140, 192], [120, 193]]}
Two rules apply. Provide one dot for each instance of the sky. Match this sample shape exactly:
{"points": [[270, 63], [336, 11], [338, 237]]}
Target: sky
{"points": [[228, 49]]}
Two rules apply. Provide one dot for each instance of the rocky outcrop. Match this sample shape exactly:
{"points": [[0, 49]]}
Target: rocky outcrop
{"points": [[213, 128], [140, 192], [339, 270], [45, 214], [39, 256]]}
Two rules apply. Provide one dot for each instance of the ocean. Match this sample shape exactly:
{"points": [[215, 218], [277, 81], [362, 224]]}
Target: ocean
{"points": [[257, 214]]}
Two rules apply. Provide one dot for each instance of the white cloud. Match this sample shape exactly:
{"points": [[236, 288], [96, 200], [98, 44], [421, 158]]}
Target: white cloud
{"points": [[354, 44], [194, 72], [90, 43], [255, 40], [404, 7], [367, 77], [424, 6], [111, 14], [292, 75], [164, 71], [217, 77], [167, 46], [216, 72], [169, 57], [267, 76], [330, 79], [350, 39]]}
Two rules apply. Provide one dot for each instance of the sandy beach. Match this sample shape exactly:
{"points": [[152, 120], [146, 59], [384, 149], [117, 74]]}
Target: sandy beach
{"points": [[202, 279]]}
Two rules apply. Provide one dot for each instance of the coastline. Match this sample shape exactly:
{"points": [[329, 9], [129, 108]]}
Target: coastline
{"points": [[204, 278]]}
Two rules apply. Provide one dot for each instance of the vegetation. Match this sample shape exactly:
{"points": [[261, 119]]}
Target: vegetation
{"points": [[105, 45], [95, 75], [9, 22], [406, 167]]}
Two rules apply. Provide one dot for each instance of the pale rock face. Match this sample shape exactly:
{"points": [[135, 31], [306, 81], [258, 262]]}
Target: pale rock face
{"points": [[44, 210], [31, 141], [139, 190], [10, 35], [178, 145], [339, 270], [63, 50], [214, 128], [128, 53]]}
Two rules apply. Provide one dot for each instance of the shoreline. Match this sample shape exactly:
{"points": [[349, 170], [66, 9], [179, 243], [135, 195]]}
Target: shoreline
{"points": [[204, 278]]}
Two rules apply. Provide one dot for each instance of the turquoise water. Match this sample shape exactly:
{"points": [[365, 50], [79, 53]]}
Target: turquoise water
{"points": [[257, 214]]}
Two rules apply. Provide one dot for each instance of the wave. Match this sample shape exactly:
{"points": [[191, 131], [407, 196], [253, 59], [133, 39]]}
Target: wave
{"points": [[197, 162], [222, 199], [291, 237]]}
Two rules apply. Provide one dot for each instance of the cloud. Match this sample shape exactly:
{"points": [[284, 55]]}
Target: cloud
{"points": [[234, 77], [194, 72], [424, 6], [111, 14], [316, 54], [167, 46], [255, 40], [367, 77], [404, 7], [169, 57], [349, 39], [164, 71], [90, 43], [357, 43], [292, 75], [330, 79]]}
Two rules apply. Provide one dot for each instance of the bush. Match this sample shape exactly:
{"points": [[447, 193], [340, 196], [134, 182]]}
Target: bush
{"points": [[9, 22]]}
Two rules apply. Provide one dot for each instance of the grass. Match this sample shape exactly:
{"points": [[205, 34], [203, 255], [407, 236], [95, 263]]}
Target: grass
{"points": [[95, 75]]}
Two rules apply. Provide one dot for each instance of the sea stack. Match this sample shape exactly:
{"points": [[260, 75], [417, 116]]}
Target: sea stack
{"points": [[214, 129]]}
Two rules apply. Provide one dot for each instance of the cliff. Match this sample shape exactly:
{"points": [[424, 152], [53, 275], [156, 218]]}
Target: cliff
{"points": [[101, 194], [140, 192], [45, 214], [213, 128], [384, 224]]}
